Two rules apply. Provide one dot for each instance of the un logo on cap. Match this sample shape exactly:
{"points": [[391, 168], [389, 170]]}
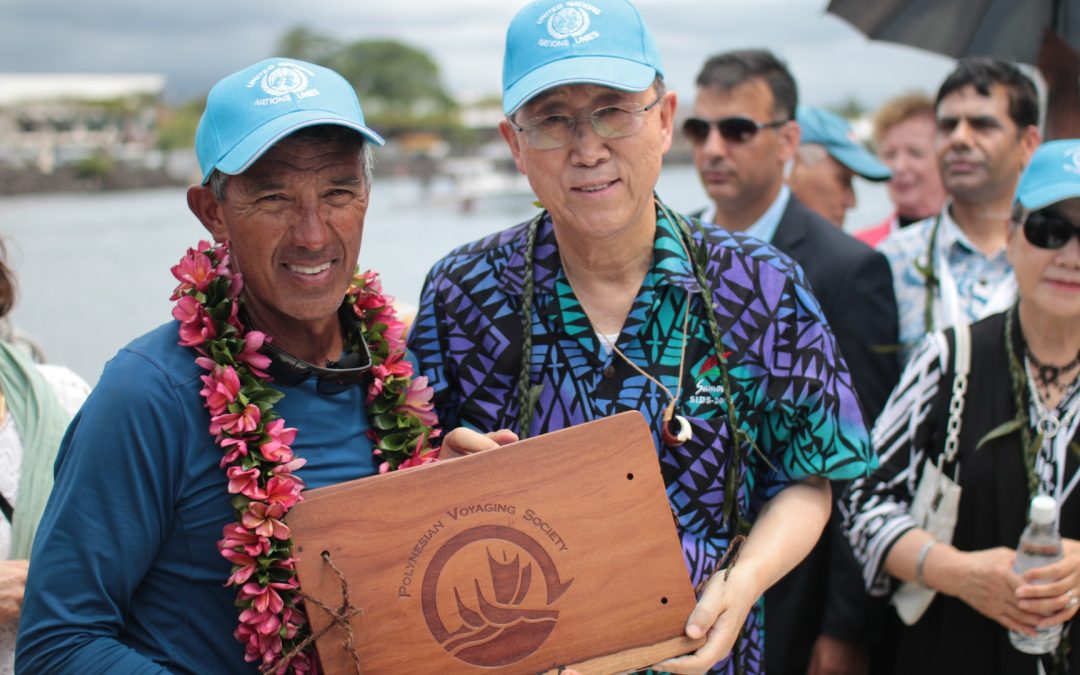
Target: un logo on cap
{"points": [[283, 80], [568, 22], [1072, 161]]}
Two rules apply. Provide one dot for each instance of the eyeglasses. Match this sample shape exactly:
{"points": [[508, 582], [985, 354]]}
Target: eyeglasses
{"points": [[290, 371], [732, 129], [548, 132], [1049, 229]]}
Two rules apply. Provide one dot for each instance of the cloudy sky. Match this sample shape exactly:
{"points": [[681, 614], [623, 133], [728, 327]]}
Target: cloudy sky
{"points": [[194, 42]]}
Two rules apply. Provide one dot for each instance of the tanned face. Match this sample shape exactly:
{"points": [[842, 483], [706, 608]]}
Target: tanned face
{"points": [[294, 220], [742, 178]]}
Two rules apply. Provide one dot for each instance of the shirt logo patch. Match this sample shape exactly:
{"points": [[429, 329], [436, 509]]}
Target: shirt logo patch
{"points": [[706, 393], [711, 364], [566, 22]]}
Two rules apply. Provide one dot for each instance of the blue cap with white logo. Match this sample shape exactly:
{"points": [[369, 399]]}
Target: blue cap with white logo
{"points": [[251, 110], [832, 132], [555, 42], [1052, 176]]}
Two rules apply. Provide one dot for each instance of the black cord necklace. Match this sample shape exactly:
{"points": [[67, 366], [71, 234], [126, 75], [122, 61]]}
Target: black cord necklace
{"points": [[1047, 374]]}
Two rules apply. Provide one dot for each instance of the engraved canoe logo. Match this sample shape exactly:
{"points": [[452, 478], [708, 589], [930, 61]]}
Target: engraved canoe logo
{"points": [[502, 616]]}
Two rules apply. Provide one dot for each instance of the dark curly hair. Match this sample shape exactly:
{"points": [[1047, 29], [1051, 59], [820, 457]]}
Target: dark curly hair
{"points": [[981, 72]]}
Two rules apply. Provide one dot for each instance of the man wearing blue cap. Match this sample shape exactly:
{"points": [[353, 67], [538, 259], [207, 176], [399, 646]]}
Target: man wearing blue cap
{"points": [[828, 158], [178, 470], [609, 301]]}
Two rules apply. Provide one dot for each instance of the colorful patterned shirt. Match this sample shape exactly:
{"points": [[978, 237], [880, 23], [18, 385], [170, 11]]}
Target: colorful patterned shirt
{"points": [[984, 284], [791, 390]]}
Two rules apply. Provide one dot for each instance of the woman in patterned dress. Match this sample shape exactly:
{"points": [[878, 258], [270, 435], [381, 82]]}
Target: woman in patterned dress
{"points": [[1017, 439]]}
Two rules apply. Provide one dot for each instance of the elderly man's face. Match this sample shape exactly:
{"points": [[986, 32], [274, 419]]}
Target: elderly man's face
{"points": [[295, 220], [742, 175], [595, 187], [823, 186]]}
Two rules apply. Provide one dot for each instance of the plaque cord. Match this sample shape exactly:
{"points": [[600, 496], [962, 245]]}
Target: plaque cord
{"points": [[339, 617]]}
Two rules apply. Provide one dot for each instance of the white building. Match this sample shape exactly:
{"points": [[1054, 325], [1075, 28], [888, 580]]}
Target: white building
{"points": [[48, 119]]}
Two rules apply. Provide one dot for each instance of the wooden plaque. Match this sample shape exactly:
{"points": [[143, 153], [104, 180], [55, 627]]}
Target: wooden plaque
{"points": [[557, 550]]}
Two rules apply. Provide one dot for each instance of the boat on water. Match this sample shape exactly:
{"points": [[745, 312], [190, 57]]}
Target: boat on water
{"points": [[470, 180]]}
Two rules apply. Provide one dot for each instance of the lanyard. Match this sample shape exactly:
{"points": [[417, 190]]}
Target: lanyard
{"points": [[945, 309], [742, 443]]}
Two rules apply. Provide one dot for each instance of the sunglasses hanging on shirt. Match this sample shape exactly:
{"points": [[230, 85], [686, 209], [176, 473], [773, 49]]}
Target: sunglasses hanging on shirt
{"points": [[732, 129], [333, 378], [1049, 229]]}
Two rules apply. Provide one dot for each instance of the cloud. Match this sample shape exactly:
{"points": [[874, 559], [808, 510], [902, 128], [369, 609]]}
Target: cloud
{"points": [[195, 42]]}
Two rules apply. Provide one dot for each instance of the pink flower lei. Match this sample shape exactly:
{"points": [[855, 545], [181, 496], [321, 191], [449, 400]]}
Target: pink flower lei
{"points": [[256, 444]]}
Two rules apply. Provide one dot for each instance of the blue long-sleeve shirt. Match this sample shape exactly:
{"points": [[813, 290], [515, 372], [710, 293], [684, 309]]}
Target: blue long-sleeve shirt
{"points": [[125, 574]]}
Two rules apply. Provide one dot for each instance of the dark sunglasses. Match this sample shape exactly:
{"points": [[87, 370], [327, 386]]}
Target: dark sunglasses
{"points": [[1049, 229], [333, 378], [732, 129]]}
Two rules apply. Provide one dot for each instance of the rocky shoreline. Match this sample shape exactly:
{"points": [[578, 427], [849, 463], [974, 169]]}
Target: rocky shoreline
{"points": [[69, 179]]}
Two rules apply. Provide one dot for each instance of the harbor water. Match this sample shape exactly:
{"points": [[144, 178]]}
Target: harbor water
{"points": [[93, 269]]}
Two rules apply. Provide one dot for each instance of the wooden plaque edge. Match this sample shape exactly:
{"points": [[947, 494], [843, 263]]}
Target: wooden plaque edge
{"points": [[634, 659]]}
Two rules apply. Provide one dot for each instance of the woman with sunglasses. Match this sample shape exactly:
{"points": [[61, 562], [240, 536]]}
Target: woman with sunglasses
{"points": [[1017, 438]]}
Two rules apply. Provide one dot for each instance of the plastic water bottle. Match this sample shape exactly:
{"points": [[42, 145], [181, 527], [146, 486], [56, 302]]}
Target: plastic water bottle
{"points": [[1040, 545]]}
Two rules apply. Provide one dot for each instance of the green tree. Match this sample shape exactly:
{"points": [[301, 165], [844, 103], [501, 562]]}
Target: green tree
{"points": [[176, 125], [98, 165], [396, 82], [305, 44], [399, 85], [850, 108]]}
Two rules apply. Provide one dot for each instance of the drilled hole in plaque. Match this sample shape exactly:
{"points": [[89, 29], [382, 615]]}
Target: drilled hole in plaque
{"points": [[629, 476], [663, 601], [325, 554], [299, 549]]}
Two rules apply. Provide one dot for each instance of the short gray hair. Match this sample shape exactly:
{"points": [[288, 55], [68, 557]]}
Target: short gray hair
{"points": [[659, 86], [219, 181]]}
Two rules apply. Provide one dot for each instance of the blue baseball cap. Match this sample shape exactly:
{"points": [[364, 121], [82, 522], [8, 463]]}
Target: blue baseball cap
{"points": [[555, 42], [831, 131], [251, 110], [1052, 176]]}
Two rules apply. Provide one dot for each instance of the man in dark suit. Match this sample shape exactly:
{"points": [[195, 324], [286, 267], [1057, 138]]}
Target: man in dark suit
{"points": [[818, 619]]}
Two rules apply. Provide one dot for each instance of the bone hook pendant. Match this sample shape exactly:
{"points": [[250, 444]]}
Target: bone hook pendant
{"points": [[681, 436]]}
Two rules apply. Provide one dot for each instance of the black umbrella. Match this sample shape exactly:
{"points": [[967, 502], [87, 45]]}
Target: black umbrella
{"points": [[1009, 29]]}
